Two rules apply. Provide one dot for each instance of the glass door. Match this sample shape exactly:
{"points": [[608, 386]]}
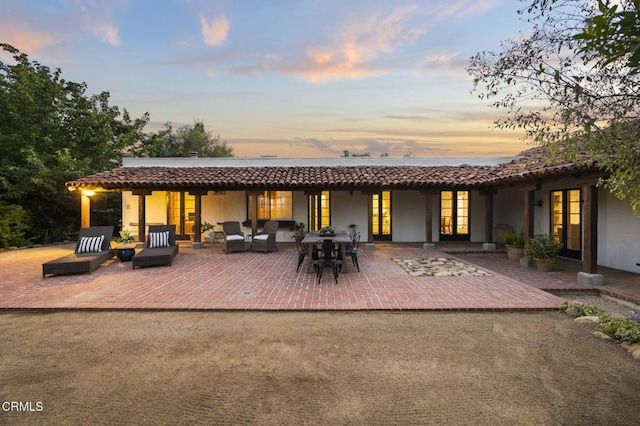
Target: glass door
{"points": [[454, 216], [182, 213], [319, 211], [381, 218], [566, 221]]}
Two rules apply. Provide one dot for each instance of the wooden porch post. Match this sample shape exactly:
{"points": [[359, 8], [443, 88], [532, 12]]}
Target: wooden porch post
{"points": [[488, 216], [254, 211], [142, 213], [85, 210], [590, 218], [529, 204], [429, 216], [313, 214], [370, 219], [197, 225]]}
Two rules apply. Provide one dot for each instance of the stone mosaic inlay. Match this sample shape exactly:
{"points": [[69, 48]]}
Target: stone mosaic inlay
{"points": [[439, 267]]}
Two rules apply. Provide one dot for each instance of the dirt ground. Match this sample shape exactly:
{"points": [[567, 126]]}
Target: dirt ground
{"points": [[312, 368]]}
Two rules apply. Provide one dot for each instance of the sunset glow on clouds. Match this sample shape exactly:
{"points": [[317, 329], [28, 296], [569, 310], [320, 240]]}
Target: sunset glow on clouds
{"points": [[288, 78], [215, 31]]}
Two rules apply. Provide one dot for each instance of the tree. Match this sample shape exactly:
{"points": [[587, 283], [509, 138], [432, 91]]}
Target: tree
{"points": [[186, 141], [52, 132], [614, 33], [566, 93]]}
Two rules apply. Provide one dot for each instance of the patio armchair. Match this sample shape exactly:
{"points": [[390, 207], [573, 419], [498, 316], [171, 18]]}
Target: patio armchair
{"points": [[92, 250], [265, 240], [160, 248], [233, 237]]}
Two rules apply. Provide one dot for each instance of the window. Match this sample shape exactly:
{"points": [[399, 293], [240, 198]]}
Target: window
{"points": [[273, 205]]}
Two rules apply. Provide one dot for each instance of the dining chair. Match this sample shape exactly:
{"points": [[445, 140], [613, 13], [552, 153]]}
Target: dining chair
{"points": [[328, 256], [303, 251], [352, 251]]}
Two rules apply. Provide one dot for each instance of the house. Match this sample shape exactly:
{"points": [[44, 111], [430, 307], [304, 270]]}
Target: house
{"points": [[389, 199]]}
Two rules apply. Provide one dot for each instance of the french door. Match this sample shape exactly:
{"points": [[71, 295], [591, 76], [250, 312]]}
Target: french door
{"points": [[381, 216], [319, 210], [454, 216], [182, 213], [566, 221]]}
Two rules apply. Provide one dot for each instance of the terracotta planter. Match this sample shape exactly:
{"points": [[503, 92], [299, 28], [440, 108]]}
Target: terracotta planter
{"points": [[514, 252], [545, 265]]}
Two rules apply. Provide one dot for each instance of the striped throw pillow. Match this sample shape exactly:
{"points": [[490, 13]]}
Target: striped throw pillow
{"points": [[90, 244], [159, 239]]}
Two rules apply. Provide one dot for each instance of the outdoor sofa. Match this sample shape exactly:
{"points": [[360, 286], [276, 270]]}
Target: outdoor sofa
{"points": [[92, 250], [160, 248]]}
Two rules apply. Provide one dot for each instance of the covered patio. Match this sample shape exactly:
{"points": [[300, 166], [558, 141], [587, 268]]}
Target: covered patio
{"points": [[208, 279]]}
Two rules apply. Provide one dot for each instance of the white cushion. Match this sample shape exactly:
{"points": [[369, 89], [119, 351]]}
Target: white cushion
{"points": [[261, 237], [90, 244], [158, 239], [234, 237]]}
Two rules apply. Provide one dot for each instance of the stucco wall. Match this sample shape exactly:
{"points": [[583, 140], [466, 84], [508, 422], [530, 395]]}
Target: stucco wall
{"points": [[409, 221], [508, 212], [618, 234], [350, 209]]}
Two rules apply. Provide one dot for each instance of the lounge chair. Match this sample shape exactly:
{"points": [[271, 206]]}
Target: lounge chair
{"points": [[160, 248], [92, 250], [233, 237], [265, 240]]}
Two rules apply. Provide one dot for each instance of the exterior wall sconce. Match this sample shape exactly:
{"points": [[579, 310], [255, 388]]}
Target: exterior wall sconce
{"points": [[539, 203], [88, 192]]}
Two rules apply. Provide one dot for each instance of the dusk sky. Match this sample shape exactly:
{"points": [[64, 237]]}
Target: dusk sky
{"points": [[287, 78]]}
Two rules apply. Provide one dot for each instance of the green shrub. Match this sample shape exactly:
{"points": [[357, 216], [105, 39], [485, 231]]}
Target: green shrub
{"points": [[623, 329], [580, 310], [13, 224], [511, 238], [544, 246]]}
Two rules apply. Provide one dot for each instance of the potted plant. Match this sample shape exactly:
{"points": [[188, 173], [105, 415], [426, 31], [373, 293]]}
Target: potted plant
{"points": [[328, 231], [298, 231], [127, 251], [544, 249], [125, 238], [204, 227], [514, 243]]}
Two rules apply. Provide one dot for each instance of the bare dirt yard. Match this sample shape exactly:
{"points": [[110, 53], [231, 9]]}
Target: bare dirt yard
{"points": [[385, 368]]}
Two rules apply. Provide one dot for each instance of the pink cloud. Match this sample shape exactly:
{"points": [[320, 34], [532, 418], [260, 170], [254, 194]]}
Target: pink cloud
{"points": [[27, 41], [350, 54], [216, 32]]}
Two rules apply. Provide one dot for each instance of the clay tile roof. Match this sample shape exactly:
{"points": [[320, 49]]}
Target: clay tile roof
{"points": [[532, 164]]}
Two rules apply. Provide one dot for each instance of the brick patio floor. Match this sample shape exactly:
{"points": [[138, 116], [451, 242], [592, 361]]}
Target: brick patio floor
{"points": [[209, 279]]}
